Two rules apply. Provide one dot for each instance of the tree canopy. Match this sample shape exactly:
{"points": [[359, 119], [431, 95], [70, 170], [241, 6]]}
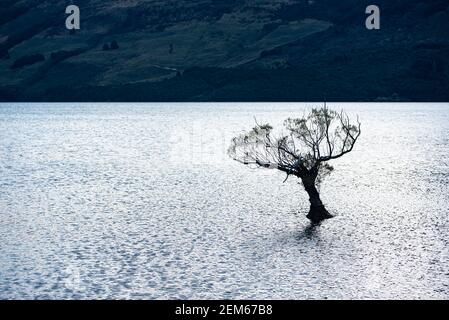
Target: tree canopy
{"points": [[303, 147]]}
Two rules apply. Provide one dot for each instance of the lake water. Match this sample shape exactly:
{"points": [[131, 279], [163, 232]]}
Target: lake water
{"points": [[141, 201]]}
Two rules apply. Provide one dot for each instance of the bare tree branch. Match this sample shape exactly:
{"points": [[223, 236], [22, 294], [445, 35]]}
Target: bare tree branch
{"points": [[317, 137]]}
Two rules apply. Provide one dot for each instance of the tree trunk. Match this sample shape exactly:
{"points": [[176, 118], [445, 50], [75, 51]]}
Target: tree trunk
{"points": [[317, 211]]}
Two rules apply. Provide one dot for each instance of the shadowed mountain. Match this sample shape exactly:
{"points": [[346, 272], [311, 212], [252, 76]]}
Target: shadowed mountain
{"points": [[222, 50]]}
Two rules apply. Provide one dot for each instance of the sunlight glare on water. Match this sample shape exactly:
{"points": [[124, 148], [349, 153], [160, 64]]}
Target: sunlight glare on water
{"points": [[141, 201]]}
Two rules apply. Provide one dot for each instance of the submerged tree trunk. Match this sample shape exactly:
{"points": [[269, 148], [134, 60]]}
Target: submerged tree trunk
{"points": [[317, 211]]}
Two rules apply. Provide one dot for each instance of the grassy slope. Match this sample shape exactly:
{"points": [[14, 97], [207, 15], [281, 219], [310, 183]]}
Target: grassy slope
{"points": [[231, 51]]}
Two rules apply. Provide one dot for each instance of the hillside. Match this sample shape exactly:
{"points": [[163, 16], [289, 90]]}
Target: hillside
{"points": [[221, 50]]}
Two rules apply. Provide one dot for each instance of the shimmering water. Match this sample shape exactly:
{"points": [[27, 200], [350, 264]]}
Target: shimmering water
{"points": [[141, 201]]}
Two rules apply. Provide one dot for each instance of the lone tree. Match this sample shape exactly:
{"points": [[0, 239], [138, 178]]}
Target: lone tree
{"points": [[302, 151]]}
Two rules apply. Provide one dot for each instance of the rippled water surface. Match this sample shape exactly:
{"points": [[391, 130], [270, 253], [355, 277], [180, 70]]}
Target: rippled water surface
{"points": [[141, 201]]}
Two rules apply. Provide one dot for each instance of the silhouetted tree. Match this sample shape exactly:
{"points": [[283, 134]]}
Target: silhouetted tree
{"points": [[303, 151], [114, 45]]}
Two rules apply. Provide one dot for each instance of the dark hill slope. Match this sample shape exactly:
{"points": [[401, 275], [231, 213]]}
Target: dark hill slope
{"points": [[222, 50]]}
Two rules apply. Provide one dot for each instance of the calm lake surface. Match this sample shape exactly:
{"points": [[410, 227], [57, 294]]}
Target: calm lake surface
{"points": [[141, 201]]}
